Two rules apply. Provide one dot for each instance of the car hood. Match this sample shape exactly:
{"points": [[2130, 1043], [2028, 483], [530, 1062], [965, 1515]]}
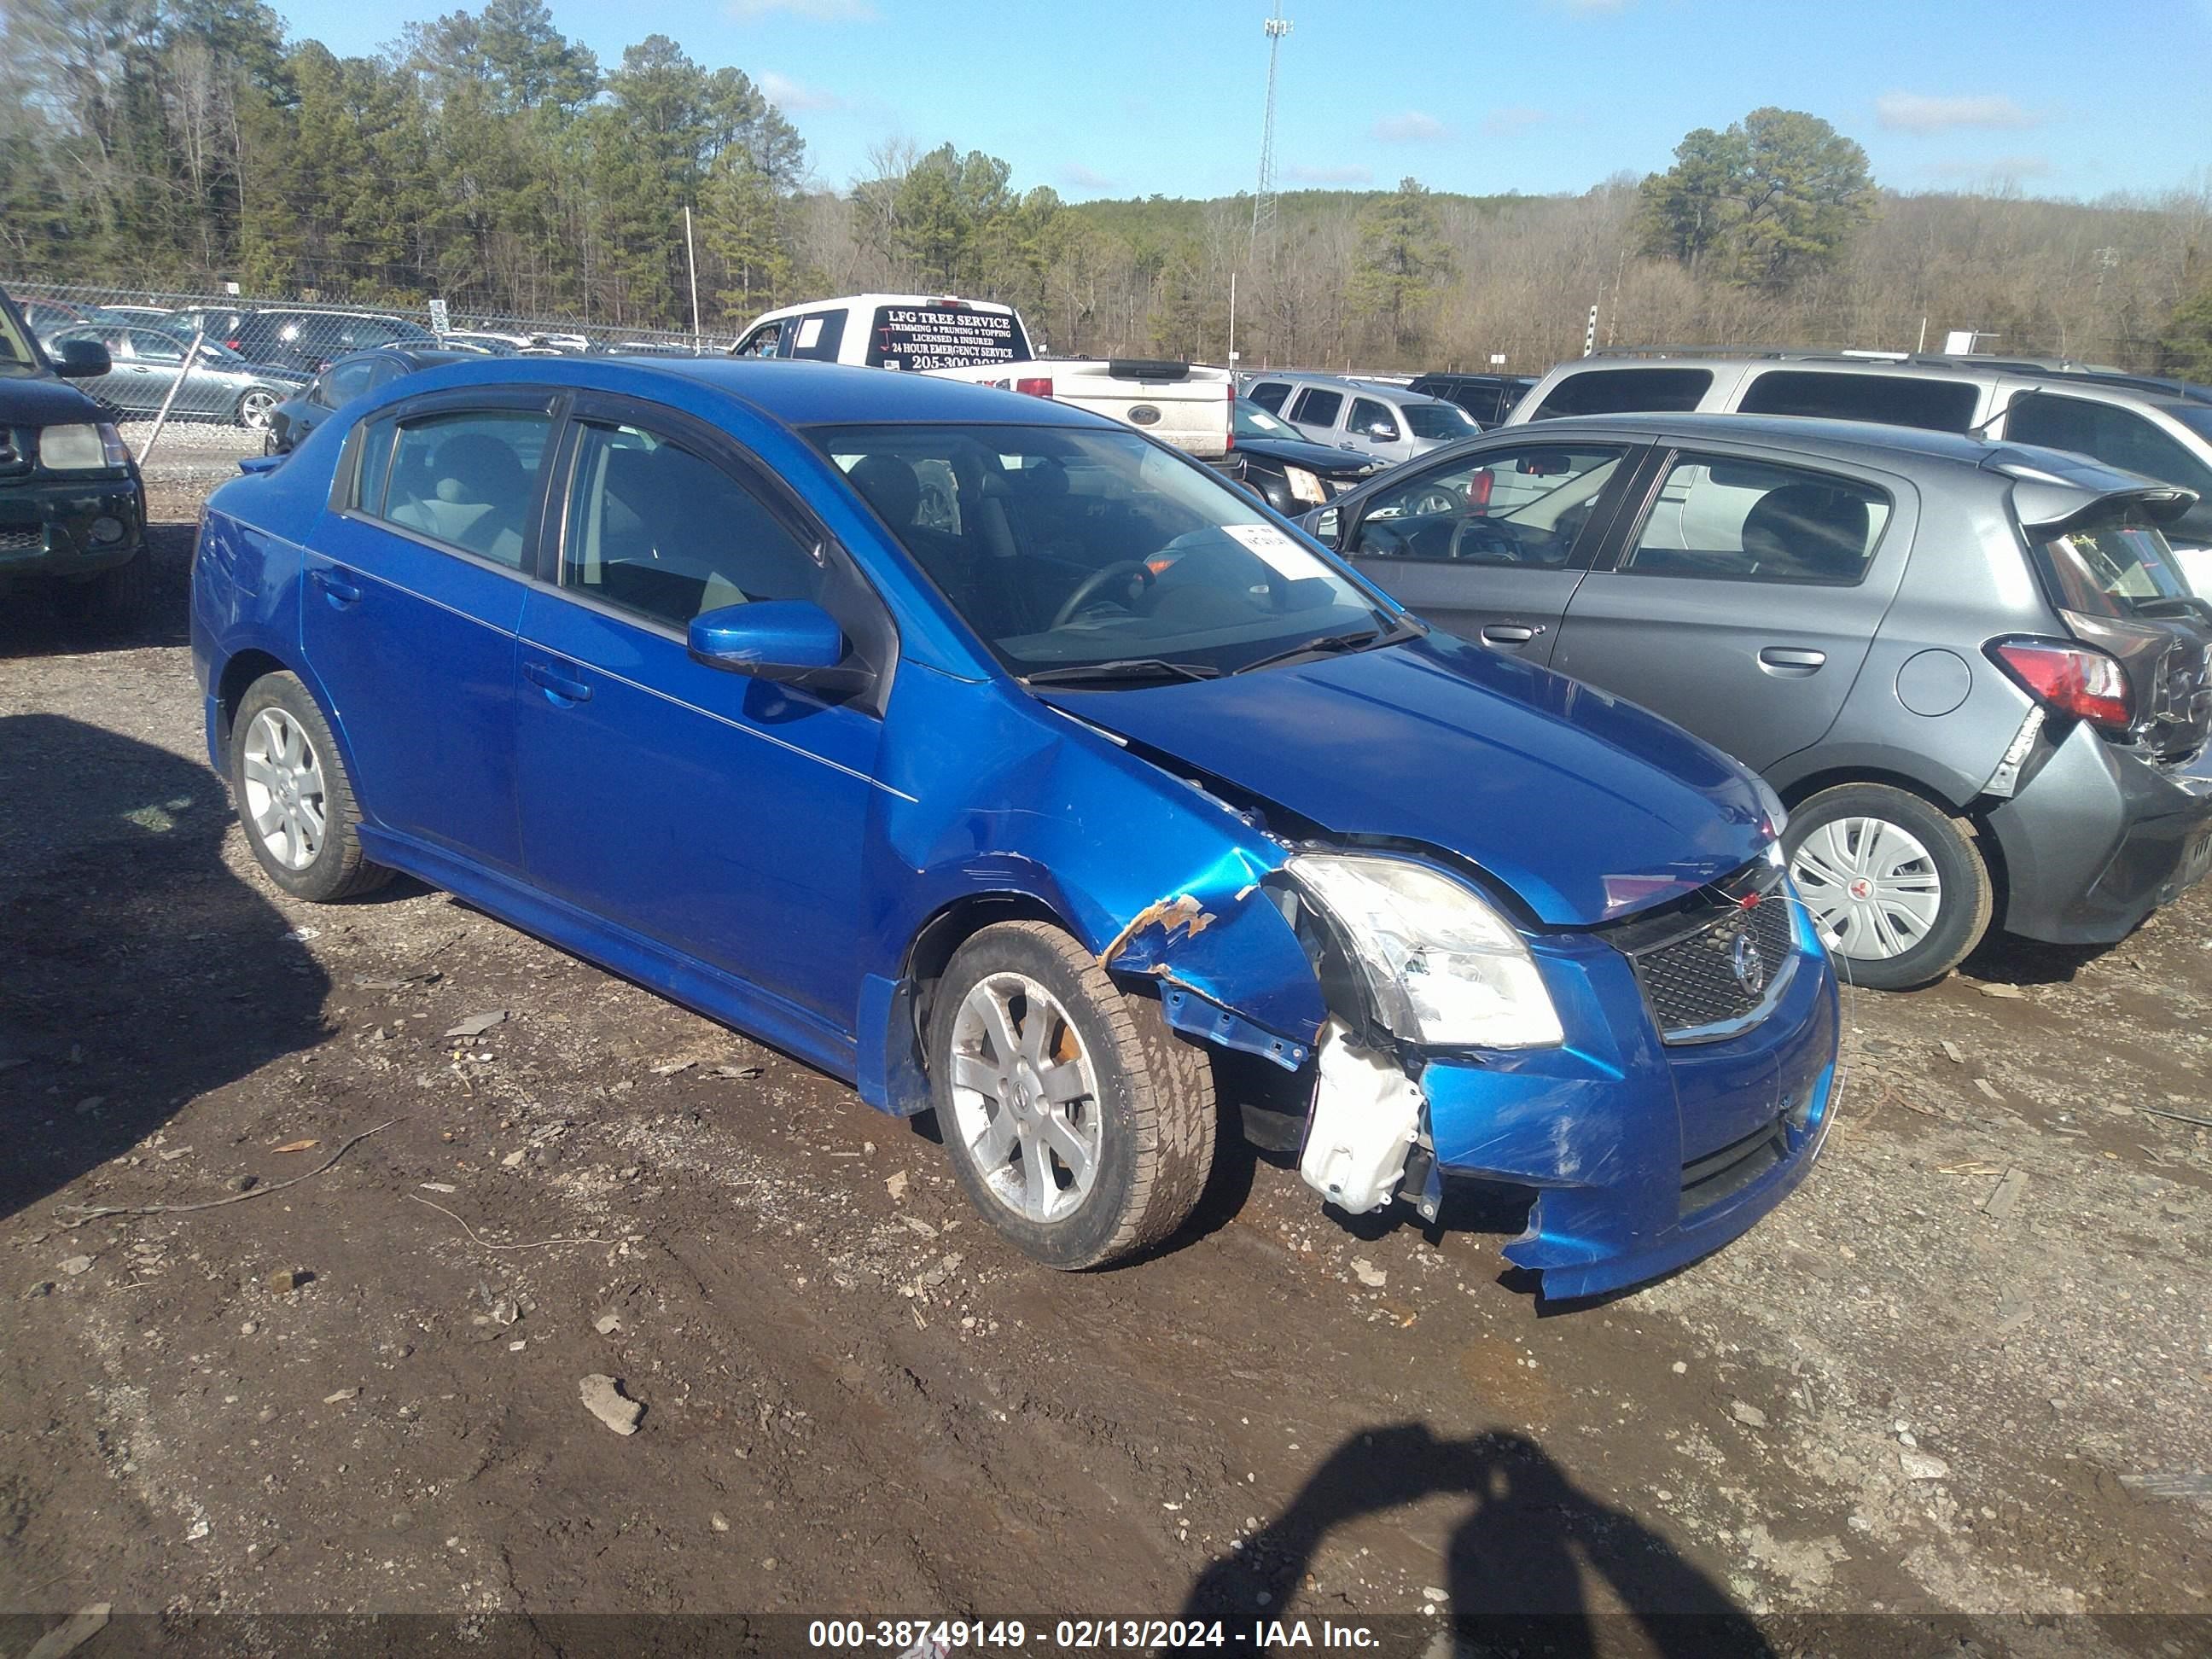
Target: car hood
{"points": [[1587, 808], [1320, 458], [42, 400]]}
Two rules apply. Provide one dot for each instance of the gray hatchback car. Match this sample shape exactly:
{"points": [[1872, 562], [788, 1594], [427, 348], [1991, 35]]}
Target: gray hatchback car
{"points": [[1970, 669]]}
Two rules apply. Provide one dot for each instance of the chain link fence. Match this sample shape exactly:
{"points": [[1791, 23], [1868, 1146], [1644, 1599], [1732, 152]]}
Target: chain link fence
{"points": [[202, 377]]}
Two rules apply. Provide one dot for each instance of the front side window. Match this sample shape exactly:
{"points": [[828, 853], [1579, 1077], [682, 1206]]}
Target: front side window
{"points": [[1753, 521], [1626, 391], [1372, 420], [1067, 550], [1935, 405], [2118, 437], [466, 478], [1316, 407], [762, 341], [1516, 507], [658, 531], [148, 346]]}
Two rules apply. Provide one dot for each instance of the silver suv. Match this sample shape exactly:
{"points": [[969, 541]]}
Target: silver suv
{"points": [[1968, 668], [2162, 430], [1370, 418]]}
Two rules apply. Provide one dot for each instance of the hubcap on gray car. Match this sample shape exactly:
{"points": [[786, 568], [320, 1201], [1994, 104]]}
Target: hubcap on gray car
{"points": [[253, 410], [1871, 885], [1025, 1098], [285, 801]]}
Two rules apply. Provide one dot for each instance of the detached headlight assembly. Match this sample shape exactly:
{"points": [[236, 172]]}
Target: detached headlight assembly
{"points": [[1306, 485], [1444, 968], [82, 448]]}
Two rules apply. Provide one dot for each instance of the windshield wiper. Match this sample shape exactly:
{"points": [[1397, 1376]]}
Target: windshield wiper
{"points": [[1123, 668], [1330, 644]]}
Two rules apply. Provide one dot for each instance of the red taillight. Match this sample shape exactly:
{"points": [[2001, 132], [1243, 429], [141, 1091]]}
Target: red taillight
{"points": [[2068, 679], [1478, 490], [1040, 387]]}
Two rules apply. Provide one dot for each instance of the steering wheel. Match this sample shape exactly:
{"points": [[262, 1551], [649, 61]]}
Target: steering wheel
{"points": [[1477, 538], [1090, 587], [1434, 501]]}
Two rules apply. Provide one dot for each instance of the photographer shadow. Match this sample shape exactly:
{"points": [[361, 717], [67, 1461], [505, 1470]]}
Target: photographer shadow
{"points": [[1516, 1565]]}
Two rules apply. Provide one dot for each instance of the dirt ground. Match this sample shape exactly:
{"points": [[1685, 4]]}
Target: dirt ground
{"points": [[1966, 1372]]}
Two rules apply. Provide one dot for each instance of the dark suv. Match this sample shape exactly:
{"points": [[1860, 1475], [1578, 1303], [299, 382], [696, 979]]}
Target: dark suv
{"points": [[310, 341], [1488, 397], [72, 509], [1970, 669]]}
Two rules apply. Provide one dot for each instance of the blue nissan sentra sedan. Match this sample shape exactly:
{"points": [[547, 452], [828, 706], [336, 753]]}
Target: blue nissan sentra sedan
{"points": [[998, 759]]}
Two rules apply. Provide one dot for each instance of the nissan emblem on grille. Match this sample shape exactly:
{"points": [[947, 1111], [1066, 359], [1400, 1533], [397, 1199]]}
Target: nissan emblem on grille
{"points": [[1750, 966]]}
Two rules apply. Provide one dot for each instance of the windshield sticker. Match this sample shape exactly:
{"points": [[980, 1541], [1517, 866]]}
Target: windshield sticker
{"points": [[1279, 552]]}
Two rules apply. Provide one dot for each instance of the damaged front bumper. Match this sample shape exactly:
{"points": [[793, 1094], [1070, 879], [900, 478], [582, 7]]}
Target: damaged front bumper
{"points": [[1643, 1156]]}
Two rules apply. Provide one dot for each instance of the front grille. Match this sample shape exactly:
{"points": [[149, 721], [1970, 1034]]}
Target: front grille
{"points": [[22, 537], [1720, 975]]}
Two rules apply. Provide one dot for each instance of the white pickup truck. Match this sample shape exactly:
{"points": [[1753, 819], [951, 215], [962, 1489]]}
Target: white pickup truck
{"points": [[979, 340]]}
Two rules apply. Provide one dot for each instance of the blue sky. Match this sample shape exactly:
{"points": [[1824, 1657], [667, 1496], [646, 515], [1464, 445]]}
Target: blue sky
{"points": [[1134, 97]]}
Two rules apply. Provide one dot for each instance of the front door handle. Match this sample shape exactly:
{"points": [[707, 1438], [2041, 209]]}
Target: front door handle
{"points": [[340, 592], [1787, 659], [559, 688], [1511, 633]]}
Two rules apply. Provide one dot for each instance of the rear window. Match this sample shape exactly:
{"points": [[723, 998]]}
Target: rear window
{"points": [[1270, 397], [1892, 399], [1626, 391], [930, 337], [1438, 421], [2110, 570], [818, 336]]}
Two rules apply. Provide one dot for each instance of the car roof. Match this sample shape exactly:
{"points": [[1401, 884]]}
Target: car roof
{"points": [[2108, 386], [1865, 442], [796, 392]]}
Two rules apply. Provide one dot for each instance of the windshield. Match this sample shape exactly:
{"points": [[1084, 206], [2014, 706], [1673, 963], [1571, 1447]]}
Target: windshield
{"points": [[17, 356], [2112, 570], [1065, 548], [1438, 421], [1254, 422]]}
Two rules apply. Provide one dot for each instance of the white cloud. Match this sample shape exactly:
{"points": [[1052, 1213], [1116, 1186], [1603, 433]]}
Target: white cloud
{"points": [[813, 11], [792, 97], [1913, 111], [1410, 127], [1515, 119], [1343, 175], [1076, 176], [1996, 169]]}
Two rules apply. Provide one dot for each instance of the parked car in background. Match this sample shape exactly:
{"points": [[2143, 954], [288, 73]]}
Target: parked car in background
{"points": [[216, 322], [72, 507], [1487, 399], [1387, 422], [490, 343], [2162, 430], [1288, 470], [351, 376], [986, 344], [307, 342], [1024, 816], [145, 364], [1969, 668]]}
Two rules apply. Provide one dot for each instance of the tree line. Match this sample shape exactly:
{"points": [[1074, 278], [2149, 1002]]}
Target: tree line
{"points": [[490, 160]]}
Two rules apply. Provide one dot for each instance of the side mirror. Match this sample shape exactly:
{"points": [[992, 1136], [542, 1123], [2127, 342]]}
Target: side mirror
{"points": [[1325, 524], [81, 359], [789, 640], [1383, 430]]}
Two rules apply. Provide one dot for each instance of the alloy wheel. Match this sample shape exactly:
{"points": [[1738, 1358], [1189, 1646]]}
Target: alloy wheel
{"points": [[1871, 885], [286, 801], [1025, 1097], [253, 410]]}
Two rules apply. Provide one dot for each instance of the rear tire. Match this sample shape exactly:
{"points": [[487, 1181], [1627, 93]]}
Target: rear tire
{"points": [[1088, 1138], [1898, 886], [293, 796]]}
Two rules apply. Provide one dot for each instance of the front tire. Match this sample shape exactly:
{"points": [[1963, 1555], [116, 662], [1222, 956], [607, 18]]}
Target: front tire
{"points": [[253, 409], [1897, 887], [1079, 1123], [293, 796]]}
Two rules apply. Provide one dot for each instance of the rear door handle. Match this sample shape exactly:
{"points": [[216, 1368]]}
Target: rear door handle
{"points": [[1511, 633], [558, 687], [340, 592], [1792, 660]]}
